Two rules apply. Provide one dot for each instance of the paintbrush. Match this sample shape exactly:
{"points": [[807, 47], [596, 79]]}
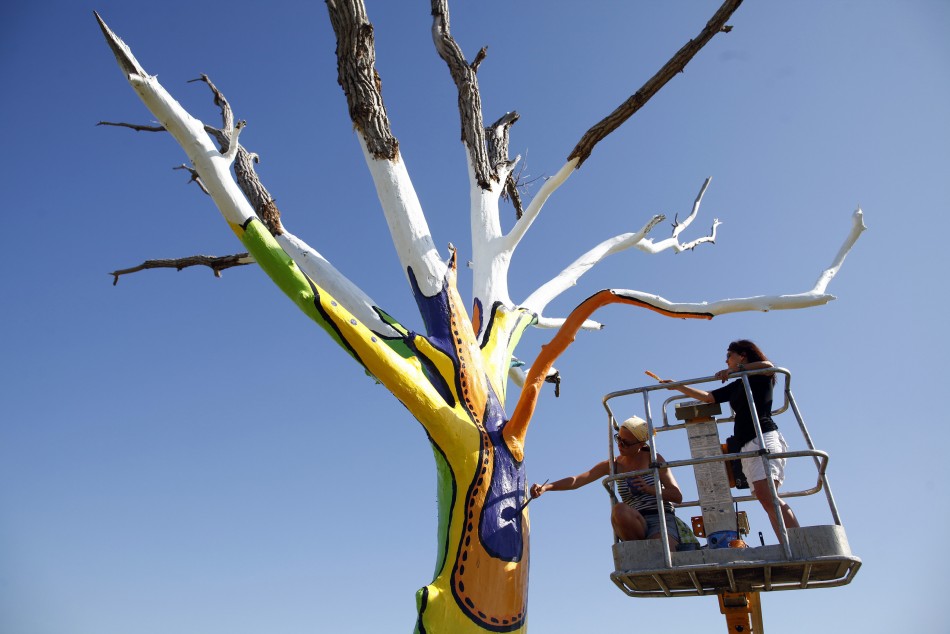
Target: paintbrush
{"points": [[528, 501]]}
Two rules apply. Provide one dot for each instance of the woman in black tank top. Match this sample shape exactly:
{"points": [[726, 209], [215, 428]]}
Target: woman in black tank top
{"points": [[743, 355]]}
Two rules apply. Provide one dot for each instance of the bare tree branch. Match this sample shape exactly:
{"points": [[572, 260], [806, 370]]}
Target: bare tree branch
{"points": [[356, 74], [479, 58], [512, 193], [469, 98], [216, 263], [250, 183], [195, 178], [227, 115], [676, 65], [134, 126], [496, 139]]}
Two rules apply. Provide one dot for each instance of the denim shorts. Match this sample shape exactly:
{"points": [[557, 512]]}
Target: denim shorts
{"points": [[653, 526]]}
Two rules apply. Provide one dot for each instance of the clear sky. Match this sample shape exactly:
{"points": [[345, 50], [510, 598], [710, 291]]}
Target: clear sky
{"points": [[188, 454]]}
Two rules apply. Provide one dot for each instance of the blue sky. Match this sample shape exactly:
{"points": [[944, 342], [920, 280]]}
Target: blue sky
{"points": [[182, 453]]}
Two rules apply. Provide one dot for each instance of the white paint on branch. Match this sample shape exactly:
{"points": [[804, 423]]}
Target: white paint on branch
{"points": [[534, 208], [407, 223], [319, 269], [539, 299], [857, 228], [491, 250], [557, 322], [672, 242], [213, 168], [567, 278], [491, 259], [817, 296]]}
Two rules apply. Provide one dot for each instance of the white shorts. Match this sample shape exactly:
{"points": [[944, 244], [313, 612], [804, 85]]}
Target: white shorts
{"points": [[753, 468]]}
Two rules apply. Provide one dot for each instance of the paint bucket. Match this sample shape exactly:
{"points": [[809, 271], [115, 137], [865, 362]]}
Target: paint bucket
{"points": [[721, 539]]}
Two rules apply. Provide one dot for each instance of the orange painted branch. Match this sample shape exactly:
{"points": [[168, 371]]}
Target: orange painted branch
{"points": [[517, 427]]}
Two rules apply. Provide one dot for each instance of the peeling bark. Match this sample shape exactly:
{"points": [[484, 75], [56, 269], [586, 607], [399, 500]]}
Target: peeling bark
{"points": [[469, 98], [356, 74], [496, 138], [247, 179]]}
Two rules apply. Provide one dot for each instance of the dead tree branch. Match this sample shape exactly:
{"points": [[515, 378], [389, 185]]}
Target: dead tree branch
{"points": [[250, 183], [134, 126], [195, 178], [216, 263], [408, 228], [496, 140], [356, 74], [469, 98], [676, 65]]}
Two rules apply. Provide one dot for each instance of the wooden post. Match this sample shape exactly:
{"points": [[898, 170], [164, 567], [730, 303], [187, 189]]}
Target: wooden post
{"points": [[712, 481]]}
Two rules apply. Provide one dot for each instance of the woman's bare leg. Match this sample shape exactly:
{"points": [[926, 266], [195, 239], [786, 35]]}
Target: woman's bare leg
{"points": [[762, 493], [627, 522]]}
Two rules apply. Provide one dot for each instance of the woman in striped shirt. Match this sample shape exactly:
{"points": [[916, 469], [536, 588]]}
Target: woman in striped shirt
{"points": [[636, 516]]}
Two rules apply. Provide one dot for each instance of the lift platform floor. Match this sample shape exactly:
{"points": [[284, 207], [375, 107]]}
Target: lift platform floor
{"points": [[821, 557]]}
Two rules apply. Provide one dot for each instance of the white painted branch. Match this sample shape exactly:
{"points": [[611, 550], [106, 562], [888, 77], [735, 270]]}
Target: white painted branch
{"points": [[815, 297], [531, 213], [490, 257], [673, 242], [517, 375], [567, 278], [762, 303], [231, 154], [557, 322], [319, 269], [857, 228], [539, 299], [213, 168], [407, 223]]}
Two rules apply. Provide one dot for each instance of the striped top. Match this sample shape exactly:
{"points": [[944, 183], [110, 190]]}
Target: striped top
{"points": [[642, 502]]}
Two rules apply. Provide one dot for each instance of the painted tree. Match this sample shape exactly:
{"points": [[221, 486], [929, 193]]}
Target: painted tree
{"points": [[453, 377]]}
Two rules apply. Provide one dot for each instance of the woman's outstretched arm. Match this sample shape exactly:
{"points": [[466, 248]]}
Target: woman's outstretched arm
{"points": [[572, 482]]}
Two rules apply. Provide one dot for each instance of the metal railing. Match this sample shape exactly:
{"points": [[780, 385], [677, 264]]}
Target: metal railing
{"points": [[820, 458]]}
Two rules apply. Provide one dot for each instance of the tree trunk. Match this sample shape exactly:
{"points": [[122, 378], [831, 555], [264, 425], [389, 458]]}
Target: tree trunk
{"points": [[453, 377]]}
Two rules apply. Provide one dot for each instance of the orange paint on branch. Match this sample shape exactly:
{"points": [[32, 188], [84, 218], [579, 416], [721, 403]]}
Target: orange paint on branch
{"points": [[517, 427]]}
